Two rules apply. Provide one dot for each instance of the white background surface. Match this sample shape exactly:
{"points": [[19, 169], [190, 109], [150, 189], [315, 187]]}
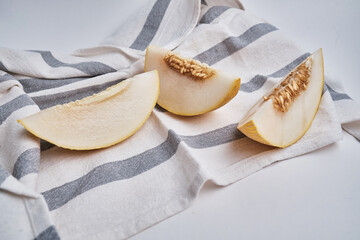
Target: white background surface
{"points": [[315, 196]]}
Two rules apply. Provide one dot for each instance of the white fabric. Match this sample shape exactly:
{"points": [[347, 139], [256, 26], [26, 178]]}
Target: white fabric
{"points": [[116, 192]]}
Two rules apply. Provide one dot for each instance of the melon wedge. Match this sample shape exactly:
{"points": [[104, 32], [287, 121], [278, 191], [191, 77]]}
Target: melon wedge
{"points": [[100, 120], [188, 87], [286, 111]]}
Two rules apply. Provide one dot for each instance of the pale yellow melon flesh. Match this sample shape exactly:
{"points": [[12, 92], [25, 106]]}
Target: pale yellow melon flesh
{"points": [[184, 95], [100, 120], [266, 124]]}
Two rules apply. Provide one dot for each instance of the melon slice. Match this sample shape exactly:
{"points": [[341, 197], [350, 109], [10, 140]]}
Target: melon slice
{"points": [[286, 111], [188, 87], [100, 120]]}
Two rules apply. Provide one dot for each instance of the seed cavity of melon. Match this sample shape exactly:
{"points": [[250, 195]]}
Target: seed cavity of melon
{"points": [[291, 87], [190, 67]]}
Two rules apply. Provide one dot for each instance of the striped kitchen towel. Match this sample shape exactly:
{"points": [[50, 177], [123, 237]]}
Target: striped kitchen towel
{"points": [[48, 192]]}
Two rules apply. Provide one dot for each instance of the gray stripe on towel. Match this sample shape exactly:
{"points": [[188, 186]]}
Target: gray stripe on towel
{"points": [[135, 165], [28, 162], [91, 68], [151, 25], [213, 138], [8, 108], [2, 67], [336, 96], [233, 44], [213, 13], [3, 174], [113, 171], [48, 234], [37, 84], [6, 77]]}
